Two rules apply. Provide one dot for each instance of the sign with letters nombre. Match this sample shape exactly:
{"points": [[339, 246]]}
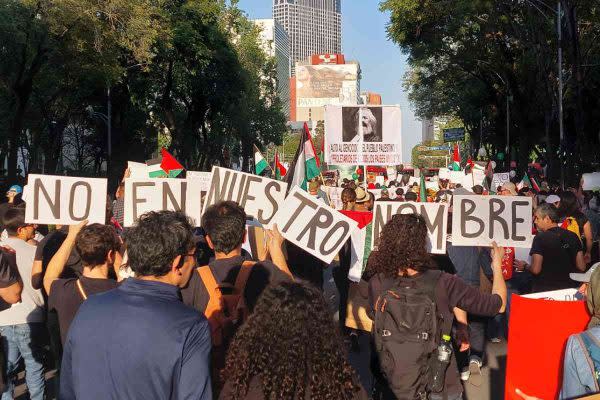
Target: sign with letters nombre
{"points": [[144, 195], [435, 215], [260, 197], [481, 220], [65, 200], [313, 226]]}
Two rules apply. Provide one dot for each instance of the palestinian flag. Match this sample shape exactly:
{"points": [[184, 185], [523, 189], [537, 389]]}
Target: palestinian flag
{"points": [[423, 189], [306, 164], [280, 170], [456, 158], [322, 154], [169, 164], [154, 169], [360, 241], [529, 182], [260, 164]]}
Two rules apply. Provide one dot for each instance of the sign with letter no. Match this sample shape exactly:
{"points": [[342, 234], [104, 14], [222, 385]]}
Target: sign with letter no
{"points": [[65, 200]]}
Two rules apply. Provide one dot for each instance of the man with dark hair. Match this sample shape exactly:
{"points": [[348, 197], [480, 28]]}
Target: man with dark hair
{"points": [[97, 246], [22, 325], [555, 252], [225, 227], [411, 196], [139, 341]]}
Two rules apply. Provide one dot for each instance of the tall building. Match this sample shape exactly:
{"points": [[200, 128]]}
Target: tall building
{"points": [[276, 43], [313, 26], [321, 80]]}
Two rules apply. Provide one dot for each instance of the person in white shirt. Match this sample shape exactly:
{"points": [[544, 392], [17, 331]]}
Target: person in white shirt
{"points": [[22, 324]]}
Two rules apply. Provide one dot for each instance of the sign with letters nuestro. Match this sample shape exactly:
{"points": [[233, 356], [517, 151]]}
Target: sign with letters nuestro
{"points": [[313, 226], [435, 214], [480, 220], [65, 200], [363, 135], [161, 194], [259, 196]]}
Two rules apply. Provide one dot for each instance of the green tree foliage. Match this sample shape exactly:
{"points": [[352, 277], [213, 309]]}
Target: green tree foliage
{"points": [[468, 56], [188, 73]]}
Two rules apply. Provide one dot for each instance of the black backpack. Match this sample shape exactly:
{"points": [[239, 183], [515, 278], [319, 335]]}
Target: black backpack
{"points": [[406, 330]]}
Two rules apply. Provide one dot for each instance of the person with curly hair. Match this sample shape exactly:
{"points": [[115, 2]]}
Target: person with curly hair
{"points": [[289, 349], [401, 257]]}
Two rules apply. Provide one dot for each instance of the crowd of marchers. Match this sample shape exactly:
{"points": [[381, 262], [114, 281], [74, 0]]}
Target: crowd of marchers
{"points": [[166, 310]]}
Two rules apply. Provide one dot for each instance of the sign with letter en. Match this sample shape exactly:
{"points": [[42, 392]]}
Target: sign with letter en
{"points": [[481, 220], [65, 200], [312, 226], [363, 135], [162, 194], [260, 197], [435, 215]]}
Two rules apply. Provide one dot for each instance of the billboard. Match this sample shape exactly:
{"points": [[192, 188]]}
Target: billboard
{"points": [[321, 85]]}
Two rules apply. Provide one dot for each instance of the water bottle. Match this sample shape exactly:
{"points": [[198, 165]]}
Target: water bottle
{"points": [[440, 365]]}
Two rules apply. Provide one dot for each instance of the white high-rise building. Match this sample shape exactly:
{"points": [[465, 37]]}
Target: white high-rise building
{"points": [[276, 43], [313, 26]]}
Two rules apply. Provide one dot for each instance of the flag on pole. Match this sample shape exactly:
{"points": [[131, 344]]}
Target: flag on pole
{"points": [[456, 158], [280, 170], [306, 165], [169, 164], [260, 164], [529, 182], [423, 189]]}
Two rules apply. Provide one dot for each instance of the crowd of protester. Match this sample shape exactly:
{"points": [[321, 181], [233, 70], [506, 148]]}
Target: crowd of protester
{"points": [[166, 310]]}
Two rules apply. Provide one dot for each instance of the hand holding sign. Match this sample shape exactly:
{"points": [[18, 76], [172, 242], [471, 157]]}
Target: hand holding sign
{"points": [[75, 229]]}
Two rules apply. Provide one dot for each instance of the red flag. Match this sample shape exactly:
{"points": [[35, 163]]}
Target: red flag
{"points": [[280, 170], [470, 163], [169, 163], [538, 332]]}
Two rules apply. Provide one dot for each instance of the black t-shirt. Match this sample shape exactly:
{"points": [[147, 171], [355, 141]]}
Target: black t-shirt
{"points": [[9, 274], [226, 270], [49, 245], [559, 248], [65, 298]]}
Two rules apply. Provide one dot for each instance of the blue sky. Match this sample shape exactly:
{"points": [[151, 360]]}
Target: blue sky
{"points": [[383, 65]]}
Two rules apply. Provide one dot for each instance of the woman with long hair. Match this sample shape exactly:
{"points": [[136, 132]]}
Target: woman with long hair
{"points": [[401, 259], [289, 349], [569, 209]]}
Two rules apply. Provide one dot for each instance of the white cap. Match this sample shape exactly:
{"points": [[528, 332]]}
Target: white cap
{"points": [[552, 199], [585, 277]]}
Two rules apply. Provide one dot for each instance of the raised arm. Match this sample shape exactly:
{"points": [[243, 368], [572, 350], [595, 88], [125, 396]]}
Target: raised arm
{"points": [[274, 246], [58, 262]]}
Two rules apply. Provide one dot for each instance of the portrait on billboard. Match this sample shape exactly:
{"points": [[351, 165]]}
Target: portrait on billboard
{"points": [[365, 120]]}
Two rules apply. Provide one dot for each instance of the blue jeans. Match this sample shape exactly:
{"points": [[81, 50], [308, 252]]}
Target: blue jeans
{"points": [[24, 341]]}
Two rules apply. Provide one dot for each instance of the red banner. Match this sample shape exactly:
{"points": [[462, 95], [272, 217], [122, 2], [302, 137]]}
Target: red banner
{"points": [[538, 333]]}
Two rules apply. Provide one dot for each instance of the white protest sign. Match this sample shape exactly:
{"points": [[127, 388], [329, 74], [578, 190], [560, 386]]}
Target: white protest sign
{"points": [[481, 220], [591, 181], [312, 226], [259, 196], [478, 176], [499, 180], [444, 173], [435, 215], [161, 194], [65, 200], [363, 135], [203, 177], [432, 185], [137, 170], [456, 176], [335, 196], [558, 295]]}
